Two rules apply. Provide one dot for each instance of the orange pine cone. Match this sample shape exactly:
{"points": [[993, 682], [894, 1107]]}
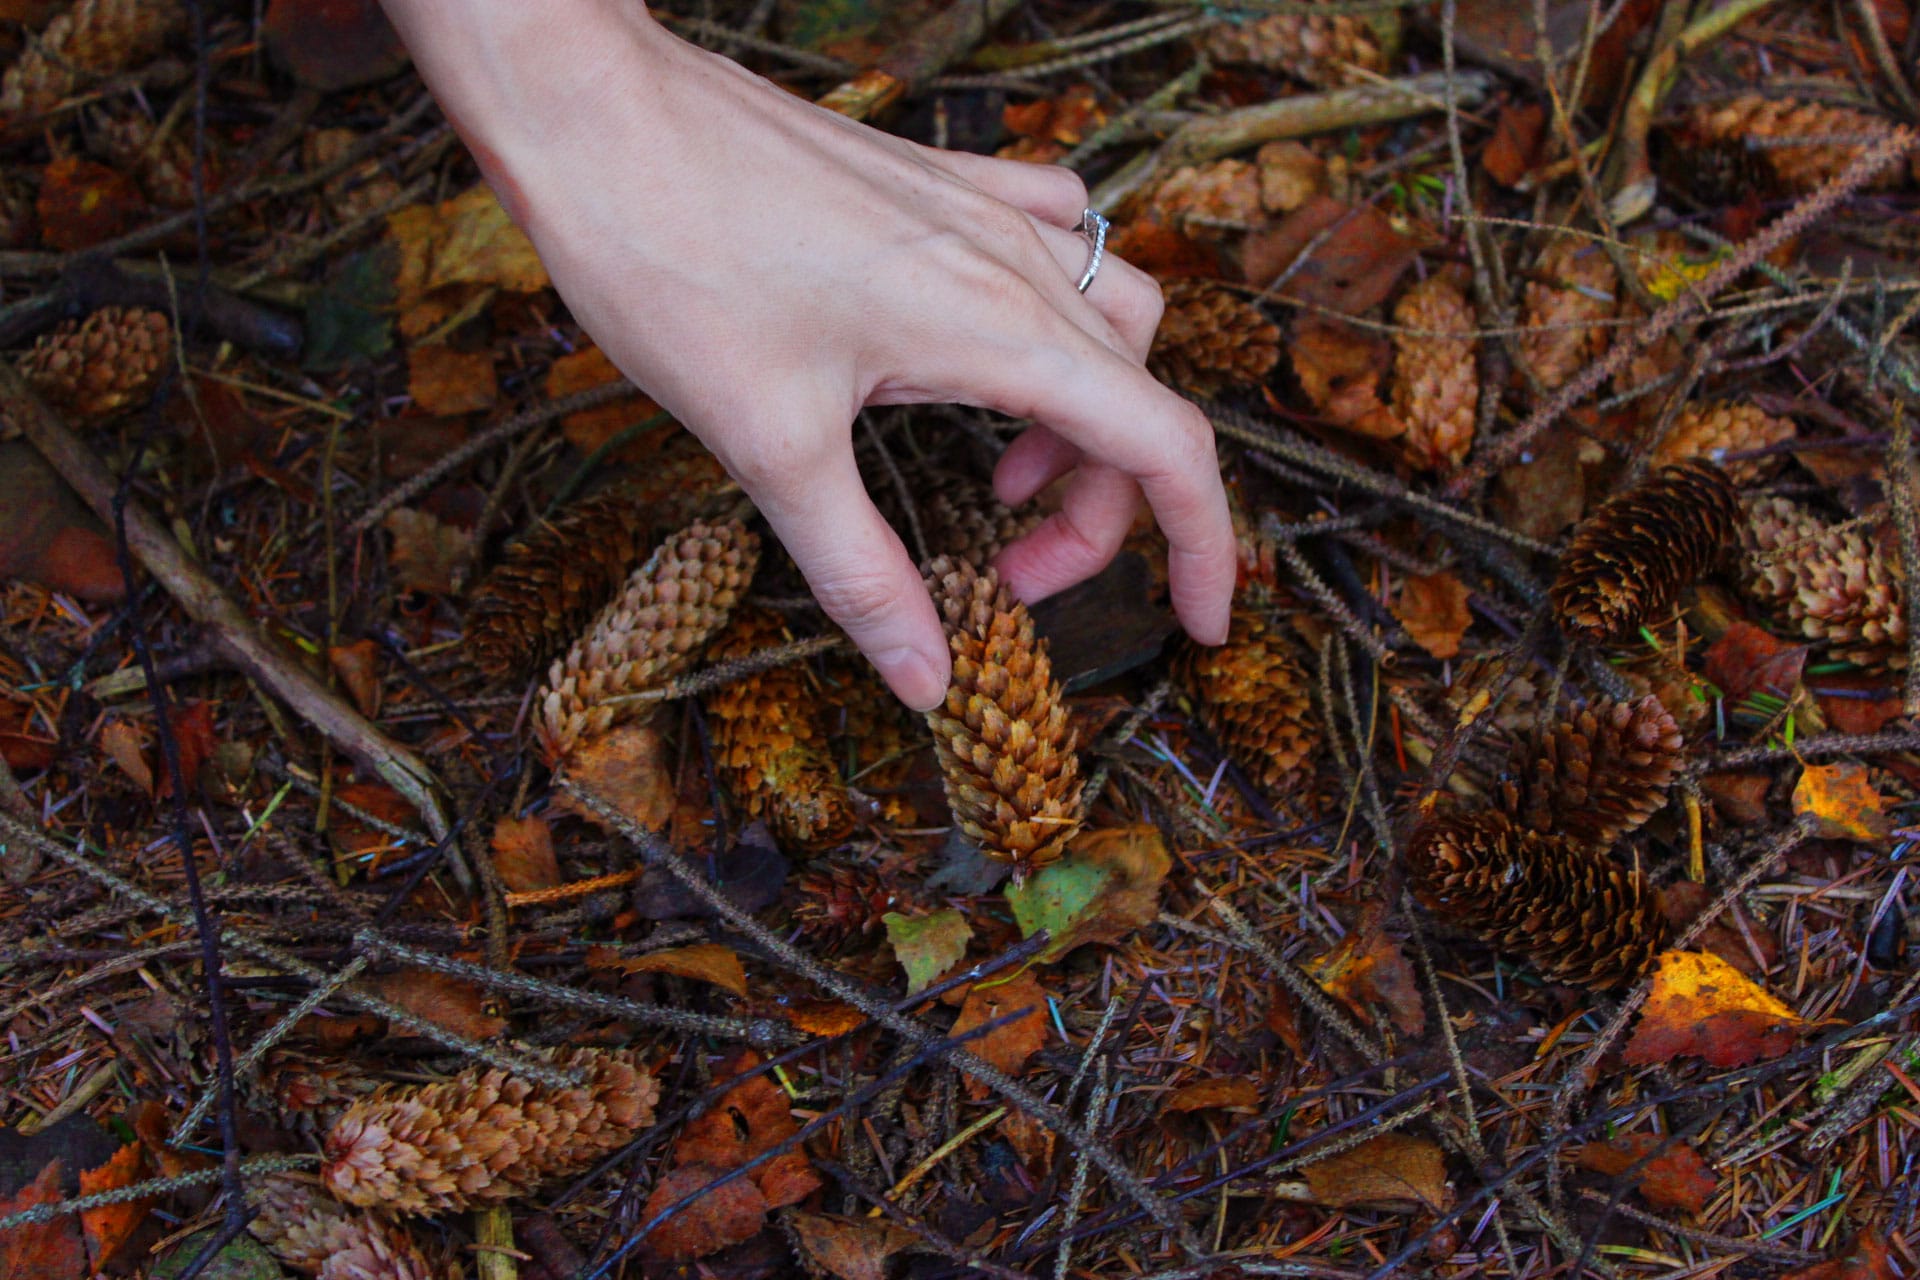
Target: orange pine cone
{"points": [[1712, 429], [1572, 293], [1834, 137], [1256, 699], [1322, 49], [92, 370], [1210, 339], [1436, 380]]}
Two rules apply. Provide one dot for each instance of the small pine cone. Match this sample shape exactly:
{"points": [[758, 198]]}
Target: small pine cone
{"points": [[1221, 196], [93, 38], [837, 902], [770, 741], [1257, 701], [1005, 746], [1630, 559], [93, 369], [1573, 293], [1716, 428], [669, 608], [164, 166], [962, 519], [1327, 50], [1211, 338], [306, 1093], [1436, 382], [485, 1137], [1835, 583], [1599, 775], [878, 736], [1835, 136], [1578, 915], [315, 1234]]}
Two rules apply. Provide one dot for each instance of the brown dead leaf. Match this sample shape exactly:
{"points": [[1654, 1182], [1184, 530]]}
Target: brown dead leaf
{"points": [[460, 1006], [1229, 1093], [1162, 252], [1433, 609], [1368, 971], [1703, 1007], [1865, 1258], [702, 961], [1009, 1045], [1841, 799], [52, 1250], [849, 1248], [47, 535], [1545, 492], [82, 203], [723, 1216], [466, 242], [1677, 1178], [1858, 703], [747, 1120], [1291, 174], [1340, 370], [358, 668], [590, 430], [627, 766], [1355, 267], [126, 747], [1748, 659], [192, 726], [1741, 798], [427, 555], [1514, 150], [1107, 886], [523, 854], [444, 381], [819, 1017], [109, 1227], [1394, 1171]]}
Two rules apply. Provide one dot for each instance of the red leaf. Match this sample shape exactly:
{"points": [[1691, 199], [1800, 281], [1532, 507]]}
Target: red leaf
{"points": [[1677, 1178], [723, 1216], [42, 1250], [1864, 1259], [1748, 659], [1352, 269], [82, 203]]}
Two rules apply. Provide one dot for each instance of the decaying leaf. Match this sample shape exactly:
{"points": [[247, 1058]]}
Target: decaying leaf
{"points": [[725, 1215], [1395, 1171], [456, 1004], [702, 961], [357, 666], [333, 44], [1676, 1178], [124, 745], [628, 767], [1230, 1093], [1106, 886], [1368, 971], [468, 240], [1008, 1046], [849, 1248], [1703, 1007], [1864, 1258], [109, 1227], [47, 535], [523, 854], [1841, 799], [1433, 609], [927, 946], [52, 1250], [428, 554], [1353, 255], [442, 380]]}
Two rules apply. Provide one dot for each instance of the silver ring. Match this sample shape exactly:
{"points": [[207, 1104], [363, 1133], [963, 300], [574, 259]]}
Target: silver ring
{"points": [[1094, 227]]}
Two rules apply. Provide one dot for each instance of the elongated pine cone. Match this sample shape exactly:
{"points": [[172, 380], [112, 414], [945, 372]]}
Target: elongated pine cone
{"points": [[1713, 429], [1835, 583], [486, 1137], [962, 519], [836, 902], [1005, 746], [1221, 195], [1257, 700], [316, 1235], [108, 363], [1835, 136], [1599, 775], [669, 608], [1630, 559], [1322, 49], [1436, 381], [93, 38], [1573, 293], [1578, 915], [1211, 338], [770, 741]]}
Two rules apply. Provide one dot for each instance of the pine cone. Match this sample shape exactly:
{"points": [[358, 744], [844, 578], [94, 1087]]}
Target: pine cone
{"points": [[164, 166], [961, 518], [486, 1137], [1211, 338], [1836, 135], [315, 1234], [1322, 49], [1712, 429], [668, 609], [1436, 382], [1574, 291], [880, 737], [1221, 196], [1835, 583], [93, 369], [770, 740], [1005, 746], [303, 1092], [1256, 699], [1578, 915], [93, 38], [1630, 559], [837, 902], [1599, 775]]}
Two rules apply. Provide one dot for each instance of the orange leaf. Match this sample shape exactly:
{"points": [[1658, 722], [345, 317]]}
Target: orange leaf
{"points": [[1864, 1259], [1514, 149], [42, 1250], [82, 203], [47, 535], [849, 1248], [1703, 1007], [703, 962], [428, 555], [454, 1003], [1231, 1093], [1433, 609], [122, 744], [354, 664], [1368, 970], [627, 766], [752, 1117], [1677, 1178], [192, 725], [353, 838], [1340, 370], [1353, 255], [723, 1216], [466, 240], [1392, 1171], [589, 429], [442, 380], [523, 854], [820, 1017], [109, 1227], [1842, 800], [1009, 1045]]}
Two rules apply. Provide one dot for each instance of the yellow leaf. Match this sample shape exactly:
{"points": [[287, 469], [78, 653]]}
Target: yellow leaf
{"points": [[1673, 276], [1842, 800], [1433, 609], [466, 240], [1703, 1007]]}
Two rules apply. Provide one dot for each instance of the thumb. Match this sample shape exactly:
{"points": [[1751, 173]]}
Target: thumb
{"points": [[861, 574]]}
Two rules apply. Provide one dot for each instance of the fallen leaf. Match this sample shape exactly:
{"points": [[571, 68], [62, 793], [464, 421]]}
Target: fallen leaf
{"points": [[927, 946], [109, 1227], [21, 748], [1746, 659], [52, 1250], [427, 555], [444, 381], [723, 1216], [47, 535], [1009, 1045], [1368, 971], [82, 203], [849, 1248], [1858, 703], [702, 961], [356, 840], [1340, 370], [751, 1118], [357, 666], [590, 430], [1545, 492], [1514, 149], [1291, 173], [1162, 252], [468, 240], [456, 1004], [523, 854], [124, 745], [1395, 1171], [348, 318], [1433, 609], [627, 767], [333, 44], [1354, 267], [192, 726], [1230, 1093], [1676, 1178], [1865, 1258], [818, 1017], [1703, 1007], [1841, 799], [242, 1258], [1106, 886], [1681, 903]]}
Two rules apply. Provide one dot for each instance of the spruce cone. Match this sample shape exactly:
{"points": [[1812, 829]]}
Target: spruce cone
{"points": [[486, 1137], [1322, 49], [877, 734], [1834, 582], [1005, 747], [315, 1234], [1211, 338], [837, 902], [668, 609], [770, 740], [1579, 916], [1715, 428], [1223, 195], [1573, 293], [1836, 135], [1436, 382], [1257, 701], [93, 38], [164, 166], [1630, 559], [304, 1092], [962, 519], [1599, 775], [104, 365]]}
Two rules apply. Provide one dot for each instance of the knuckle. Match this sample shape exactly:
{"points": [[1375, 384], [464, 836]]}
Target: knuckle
{"points": [[775, 464], [856, 598]]}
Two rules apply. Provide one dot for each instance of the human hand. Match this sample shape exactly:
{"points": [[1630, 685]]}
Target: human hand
{"points": [[765, 269]]}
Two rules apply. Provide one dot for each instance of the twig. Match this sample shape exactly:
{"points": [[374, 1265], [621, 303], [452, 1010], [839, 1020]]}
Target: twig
{"points": [[1901, 486]]}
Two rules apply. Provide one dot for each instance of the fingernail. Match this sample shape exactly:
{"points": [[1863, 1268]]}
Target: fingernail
{"points": [[914, 677]]}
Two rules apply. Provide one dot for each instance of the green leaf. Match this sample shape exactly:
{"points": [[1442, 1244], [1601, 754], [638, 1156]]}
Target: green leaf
{"points": [[347, 320], [1106, 886], [243, 1258], [927, 946]]}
